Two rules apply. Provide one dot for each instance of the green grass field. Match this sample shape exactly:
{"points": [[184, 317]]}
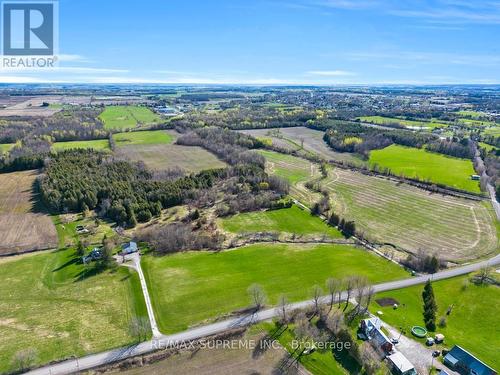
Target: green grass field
{"points": [[287, 220], [414, 162], [97, 144], [148, 137], [6, 147], [487, 147], [381, 120], [492, 130], [287, 166], [193, 287], [472, 324], [46, 305], [127, 117], [471, 114]]}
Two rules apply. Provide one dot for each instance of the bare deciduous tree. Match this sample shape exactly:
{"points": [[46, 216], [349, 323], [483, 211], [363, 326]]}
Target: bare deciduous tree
{"points": [[332, 286], [257, 295], [317, 292], [282, 309], [349, 286]]}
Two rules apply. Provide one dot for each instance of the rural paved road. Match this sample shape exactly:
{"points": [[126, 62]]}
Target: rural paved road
{"points": [[94, 360]]}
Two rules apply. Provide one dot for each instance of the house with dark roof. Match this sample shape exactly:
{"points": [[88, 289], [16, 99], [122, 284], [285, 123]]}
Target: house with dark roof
{"points": [[460, 360]]}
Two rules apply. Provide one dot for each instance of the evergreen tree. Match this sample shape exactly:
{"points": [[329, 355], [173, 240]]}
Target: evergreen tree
{"points": [[80, 249], [430, 307]]}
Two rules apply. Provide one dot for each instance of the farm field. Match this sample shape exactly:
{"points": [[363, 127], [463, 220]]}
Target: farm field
{"points": [[487, 147], [312, 142], [472, 324], [47, 305], [5, 147], [193, 287], [21, 228], [127, 117], [216, 361], [387, 212], [419, 163], [286, 220], [381, 120], [97, 144], [297, 171], [148, 137], [292, 168], [492, 130], [165, 156]]}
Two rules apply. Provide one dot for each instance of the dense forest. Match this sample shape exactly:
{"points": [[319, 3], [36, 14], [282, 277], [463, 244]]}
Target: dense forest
{"points": [[80, 180], [67, 125]]}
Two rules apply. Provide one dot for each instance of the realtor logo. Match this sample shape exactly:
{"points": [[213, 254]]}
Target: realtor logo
{"points": [[29, 33], [28, 28]]}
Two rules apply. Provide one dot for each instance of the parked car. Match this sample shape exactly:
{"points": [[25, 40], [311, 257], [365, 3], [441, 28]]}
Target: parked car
{"points": [[430, 341], [80, 229]]}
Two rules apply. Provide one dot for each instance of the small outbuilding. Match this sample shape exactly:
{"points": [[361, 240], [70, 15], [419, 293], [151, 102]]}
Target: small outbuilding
{"points": [[401, 365]]}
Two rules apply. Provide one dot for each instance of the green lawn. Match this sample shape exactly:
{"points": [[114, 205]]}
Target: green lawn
{"points": [[381, 120], [288, 220], [149, 137], [127, 117], [487, 147], [492, 130], [45, 305], [5, 147], [97, 144], [472, 324], [438, 168], [287, 166], [193, 287]]}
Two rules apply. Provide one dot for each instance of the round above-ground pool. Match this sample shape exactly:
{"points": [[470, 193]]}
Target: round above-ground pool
{"points": [[419, 331]]}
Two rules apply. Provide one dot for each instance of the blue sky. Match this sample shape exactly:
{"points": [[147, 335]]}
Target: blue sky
{"points": [[275, 42]]}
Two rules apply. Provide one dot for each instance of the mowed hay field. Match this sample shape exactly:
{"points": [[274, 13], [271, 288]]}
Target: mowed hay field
{"points": [[297, 171], [193, 287], [387, 212], [127, 117], [21, 229], [147, 137], [425, 165], [47, 305], [312, 141], [97, 144], [167, 156]]}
